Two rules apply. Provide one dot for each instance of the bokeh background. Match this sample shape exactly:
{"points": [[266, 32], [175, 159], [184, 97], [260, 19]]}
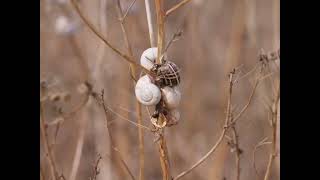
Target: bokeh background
{"points": [[218, 35]]}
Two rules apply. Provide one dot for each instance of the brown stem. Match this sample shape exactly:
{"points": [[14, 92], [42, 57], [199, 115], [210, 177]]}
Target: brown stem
{"points": [[238, 151], [274, 135], [138, 105], [223, 133], [46, 144], [112, 142], [163, 151], [177, 6], [160, 24], [97, 33]]}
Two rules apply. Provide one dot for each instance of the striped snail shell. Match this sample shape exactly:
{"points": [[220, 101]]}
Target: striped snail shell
{"points": [[168, 75], [147, 93]]}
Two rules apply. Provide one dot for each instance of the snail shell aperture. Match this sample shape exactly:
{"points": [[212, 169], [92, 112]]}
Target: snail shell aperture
{"points": [[147, 93], [171, 96]]}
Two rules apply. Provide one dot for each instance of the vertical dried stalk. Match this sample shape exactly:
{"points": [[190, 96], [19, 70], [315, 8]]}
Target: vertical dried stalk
{"points": [[46, 144], [238, 151], [78, 150], [138, 105], [162, 146], [160, 24], [223, 133], [112, 142], [150, 23], [274, 134]]}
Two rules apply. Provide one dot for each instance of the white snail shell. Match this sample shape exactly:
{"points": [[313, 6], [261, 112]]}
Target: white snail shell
{"points": [[171, 96], [147, 93], [148, 57], [175, 115]]}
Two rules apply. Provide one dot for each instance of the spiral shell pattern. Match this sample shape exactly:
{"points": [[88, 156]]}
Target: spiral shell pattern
{"points": [[147, 93]]}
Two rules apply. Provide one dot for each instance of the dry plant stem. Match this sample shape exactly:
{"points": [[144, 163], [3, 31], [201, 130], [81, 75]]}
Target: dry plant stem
{"points": [[70, 114], [138, 105], [112, 142], [123, 17], [223, 133], [96, 170], [249, 101], [238, 151], [160, 25], [150, 23], [260, 144], [162, 146], [274, 134], [175, 7], [78, 150], [46, 144], [41, 173], [97, 33]]}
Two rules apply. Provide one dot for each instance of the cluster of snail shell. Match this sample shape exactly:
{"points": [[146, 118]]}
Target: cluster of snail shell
{"points": [[149, 94]]}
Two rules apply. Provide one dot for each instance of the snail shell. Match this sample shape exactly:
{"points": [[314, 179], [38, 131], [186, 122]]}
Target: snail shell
{"points": [[171, 96], [174, 116], [148, 58], [147, 93]]}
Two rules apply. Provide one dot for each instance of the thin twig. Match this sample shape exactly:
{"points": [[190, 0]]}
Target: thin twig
{"points": [[175, 7], [223, 133], [97, 33], [274, 134], [237, 117], [237, 151], [45, 139], [78, 149], [138, 105], [123, 118], [96, 169], [260, 144], [123, 17], [112, 142]]}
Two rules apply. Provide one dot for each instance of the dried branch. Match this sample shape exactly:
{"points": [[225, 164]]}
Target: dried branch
{"points": [[96, 169], [97, 33], [174, 37], [160, 25], [238, 151], [123, 17], [45, 139], [162, 146], [112, 142], [138, 105], [223, 133], [175, 7], [259, 145], [78, 149], [274, 134], [237, 117]]}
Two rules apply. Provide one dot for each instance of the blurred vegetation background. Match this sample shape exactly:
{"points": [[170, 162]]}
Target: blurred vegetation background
{"points": [[218, 35]]}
